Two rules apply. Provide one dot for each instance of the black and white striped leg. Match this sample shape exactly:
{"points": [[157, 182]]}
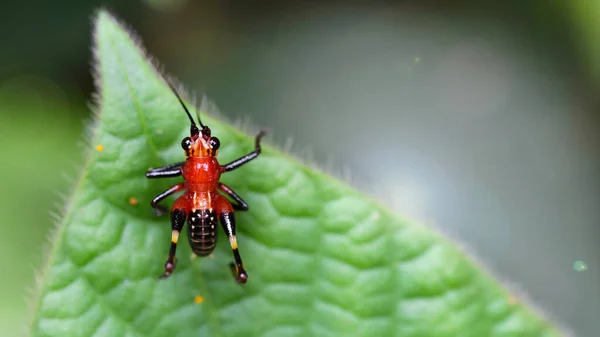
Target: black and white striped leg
{"points": [[178, 217], [228, 223]]}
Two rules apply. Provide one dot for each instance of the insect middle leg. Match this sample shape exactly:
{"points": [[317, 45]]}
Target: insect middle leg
{"points": [[160, 209], [240, 204], [178, 216], [227, 219]]}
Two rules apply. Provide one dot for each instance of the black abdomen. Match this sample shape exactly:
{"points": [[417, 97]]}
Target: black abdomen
{"points": [[202, 231]]}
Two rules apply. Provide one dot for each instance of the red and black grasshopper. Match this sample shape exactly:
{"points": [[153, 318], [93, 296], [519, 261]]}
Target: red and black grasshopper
{"points": [[202, 203]]}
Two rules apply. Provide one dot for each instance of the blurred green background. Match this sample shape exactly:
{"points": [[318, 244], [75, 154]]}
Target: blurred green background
{"points": [[480, 117]]}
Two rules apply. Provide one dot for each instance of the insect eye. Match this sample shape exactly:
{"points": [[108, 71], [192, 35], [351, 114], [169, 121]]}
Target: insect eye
{"points": [[186, 143], [215, 143]]}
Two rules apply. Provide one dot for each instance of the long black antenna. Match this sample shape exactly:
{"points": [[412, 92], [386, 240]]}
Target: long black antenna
{"points": [[203, 104], [182, 104], [198, 111]]}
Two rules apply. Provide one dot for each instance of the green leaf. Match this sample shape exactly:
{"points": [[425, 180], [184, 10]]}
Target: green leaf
{"points": [[586, 29], [323, 259]]}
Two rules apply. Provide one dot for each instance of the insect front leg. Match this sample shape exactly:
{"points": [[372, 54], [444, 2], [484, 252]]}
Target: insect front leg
{"points": [[172, 170], [227, 219], [160, 209], [239, 204], [243, 160], [178, 216]]}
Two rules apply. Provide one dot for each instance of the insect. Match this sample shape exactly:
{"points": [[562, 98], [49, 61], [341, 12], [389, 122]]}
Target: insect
{"points": [[204, 201]]}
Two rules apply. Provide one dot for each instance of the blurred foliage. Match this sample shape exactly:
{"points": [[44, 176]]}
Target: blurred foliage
{"points": [[584, 15], [39, 145]]}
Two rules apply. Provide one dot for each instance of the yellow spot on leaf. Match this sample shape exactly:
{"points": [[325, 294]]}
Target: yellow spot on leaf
{"points": [[133, 201], [99, 148], [198, 299]]}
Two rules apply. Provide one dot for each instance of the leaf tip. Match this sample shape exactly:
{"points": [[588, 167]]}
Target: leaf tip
{"points": [[103, 23], [103, 16]]}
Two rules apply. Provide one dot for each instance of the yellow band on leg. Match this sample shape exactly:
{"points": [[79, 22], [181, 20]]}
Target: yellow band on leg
{"points": [[233, 242], [174, 236]]}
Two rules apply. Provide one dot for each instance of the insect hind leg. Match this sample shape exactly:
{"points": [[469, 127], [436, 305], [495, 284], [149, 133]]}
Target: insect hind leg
{"points": [[227, 219], [178, 216]]}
